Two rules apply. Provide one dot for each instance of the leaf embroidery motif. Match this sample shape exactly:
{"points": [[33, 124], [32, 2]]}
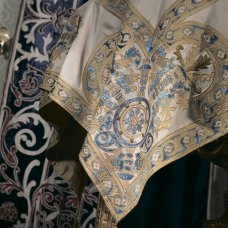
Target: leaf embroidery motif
{"points": [[202, 62], [192, 62], [179, 55]]}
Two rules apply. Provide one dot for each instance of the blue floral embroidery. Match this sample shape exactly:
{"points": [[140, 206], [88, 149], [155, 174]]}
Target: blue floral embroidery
{"points": [[118, 162], [138, 162], [105, 122], [132, 52], [91, 69], [124, 83], [134, 121], [209, 38], [160, 52], [145, 67], [125, 176], [149, 45], [106, 99], [180, 88]]}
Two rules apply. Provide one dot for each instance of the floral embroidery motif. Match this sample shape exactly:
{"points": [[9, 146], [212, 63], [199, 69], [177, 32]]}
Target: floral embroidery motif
{"points": [[131, 121], [28, 85], [8, 212], [134, 120]]}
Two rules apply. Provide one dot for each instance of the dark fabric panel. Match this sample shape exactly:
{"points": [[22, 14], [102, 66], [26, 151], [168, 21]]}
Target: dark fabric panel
{"points": [[175, 197]]}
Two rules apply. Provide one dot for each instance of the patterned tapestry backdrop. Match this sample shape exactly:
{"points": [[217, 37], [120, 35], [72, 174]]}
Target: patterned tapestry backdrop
{"points": [[31, 194]]}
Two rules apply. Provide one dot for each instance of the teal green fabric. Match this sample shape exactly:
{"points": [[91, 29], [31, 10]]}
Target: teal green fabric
{"points": [[175, 197]]}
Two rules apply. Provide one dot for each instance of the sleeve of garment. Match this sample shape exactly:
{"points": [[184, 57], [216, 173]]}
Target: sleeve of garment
{"points": [[64, 79], [59, 52]]}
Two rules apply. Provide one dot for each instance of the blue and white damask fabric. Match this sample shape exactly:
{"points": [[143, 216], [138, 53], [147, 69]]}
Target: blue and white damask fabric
{"points": [[147, 95], [32, 195]]}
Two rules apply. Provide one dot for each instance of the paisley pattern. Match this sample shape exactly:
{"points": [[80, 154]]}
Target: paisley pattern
{"points": [[151, 96]]}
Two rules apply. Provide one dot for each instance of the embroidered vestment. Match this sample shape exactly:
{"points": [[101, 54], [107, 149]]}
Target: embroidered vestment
{"points": [[148, 81]]}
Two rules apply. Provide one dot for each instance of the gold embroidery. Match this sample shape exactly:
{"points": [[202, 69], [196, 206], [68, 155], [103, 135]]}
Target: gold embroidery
{"points": [[49, 80], [153, 163], [122, 196], [207, 56], [71, 101], [128, 14], [95, 70], [136, 87], [178, 12]]}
